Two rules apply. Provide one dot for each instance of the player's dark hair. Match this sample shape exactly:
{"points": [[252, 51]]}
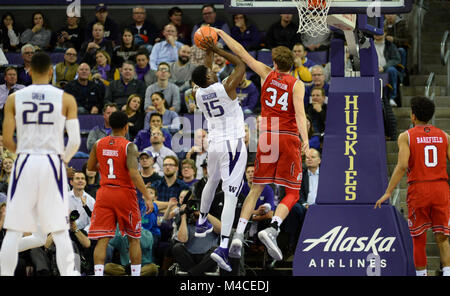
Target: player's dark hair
{"points": [[422, 108], [118, 120], [199, 76], [41, 63]]}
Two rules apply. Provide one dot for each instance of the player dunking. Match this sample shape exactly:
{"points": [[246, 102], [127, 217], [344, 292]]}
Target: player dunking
{"points": [[227, 154], [423, 153], [279, 162], [117, 161], [37, 192]]}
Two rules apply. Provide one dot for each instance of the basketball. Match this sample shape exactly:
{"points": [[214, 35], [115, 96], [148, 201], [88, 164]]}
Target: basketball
{"points": [[203, 32]]}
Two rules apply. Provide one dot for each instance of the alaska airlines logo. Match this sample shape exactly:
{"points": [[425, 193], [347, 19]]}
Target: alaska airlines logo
{"points": [[335, 240]]}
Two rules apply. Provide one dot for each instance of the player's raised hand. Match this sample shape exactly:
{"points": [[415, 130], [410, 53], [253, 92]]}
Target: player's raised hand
{"points": [[208, 43], [385, 197]]}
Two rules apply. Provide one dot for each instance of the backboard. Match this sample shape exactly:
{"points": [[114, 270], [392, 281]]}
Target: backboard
{"points": [[371, 8]]}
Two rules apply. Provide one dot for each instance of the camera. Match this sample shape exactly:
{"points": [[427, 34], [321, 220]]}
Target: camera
{"points": [[192, 205], [74, 215]]}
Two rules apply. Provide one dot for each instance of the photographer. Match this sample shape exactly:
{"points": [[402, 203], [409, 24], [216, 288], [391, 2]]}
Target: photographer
{"points": [[191, 252], [81, 201]]}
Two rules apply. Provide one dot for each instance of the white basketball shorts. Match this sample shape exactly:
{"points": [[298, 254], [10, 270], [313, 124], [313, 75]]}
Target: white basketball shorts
{"points": [[37, 193]]}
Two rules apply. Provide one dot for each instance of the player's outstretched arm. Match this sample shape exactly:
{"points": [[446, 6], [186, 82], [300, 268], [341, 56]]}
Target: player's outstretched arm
{"points": [[233, 80], [400, 168], [300, 115], [9, 123], [136, 178], [259, 68]]}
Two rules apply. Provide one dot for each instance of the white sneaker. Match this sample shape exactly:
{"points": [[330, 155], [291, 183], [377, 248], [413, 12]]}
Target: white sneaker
{"points": [[268, 237], [392, 103]]}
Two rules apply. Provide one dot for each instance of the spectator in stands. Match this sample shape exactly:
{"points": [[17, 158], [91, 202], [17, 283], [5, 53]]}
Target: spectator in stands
{"points": [[301, 64], [121, 244], [142, 139], [388, 58], [67, 70], [81, 201], [166, 50], [246, 34], [189, 98], [170, 186], [111, 29], [209, 17], [150, 220], [99, 132], [318, 80], [197, 55], [146, 168], [182, 69], [248, 95], [88, 94], [314, 138], [283, 32], [170, 91], [103, 70], [9, 87], [189, 172], [171, 120], [190, 252], [5, 173], [199, 152], [39, 34], [135, 115], [71, 35], [120, 90], [24, 76], [144, 31], [97, 42], [143, 65], [92, 181], [127, 50], [220, 66], [158, 150], [175, 15], [397, 32], [317, 109], [9, 33], [308, 193], [265, 206]]}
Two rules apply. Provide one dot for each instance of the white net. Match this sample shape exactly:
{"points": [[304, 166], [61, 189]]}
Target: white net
{"points": [[312, 16]]}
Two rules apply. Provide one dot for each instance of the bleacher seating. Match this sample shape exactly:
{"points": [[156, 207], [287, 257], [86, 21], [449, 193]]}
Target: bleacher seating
{"points": [[319, 57], [265, 56], [89, 121], [14, 58], [57, 57]]}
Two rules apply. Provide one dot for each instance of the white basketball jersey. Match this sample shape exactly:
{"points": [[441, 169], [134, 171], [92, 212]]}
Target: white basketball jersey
{"points": [[224, 115], [39, 120]]}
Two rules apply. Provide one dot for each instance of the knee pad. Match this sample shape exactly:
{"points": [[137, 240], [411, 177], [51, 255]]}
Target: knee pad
{"points": [[291, 197]]}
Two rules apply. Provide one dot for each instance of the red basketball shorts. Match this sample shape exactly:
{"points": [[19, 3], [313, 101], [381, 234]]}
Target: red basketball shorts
{"points": [[278, 160], [428, 207], [115, 205]]}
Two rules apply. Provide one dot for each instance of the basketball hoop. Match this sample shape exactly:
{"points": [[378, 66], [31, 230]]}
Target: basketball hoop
{"points": [[312, 16]]}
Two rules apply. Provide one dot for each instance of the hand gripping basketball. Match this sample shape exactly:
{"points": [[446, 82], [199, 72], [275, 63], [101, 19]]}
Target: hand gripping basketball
{"points": [[202, 34]]}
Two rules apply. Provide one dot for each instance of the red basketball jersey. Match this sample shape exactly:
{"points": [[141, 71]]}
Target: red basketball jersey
{"points": [[428, 157], [112, 158], [277, 103]]}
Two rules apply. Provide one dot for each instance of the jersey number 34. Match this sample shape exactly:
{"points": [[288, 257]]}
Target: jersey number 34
{"points": [[283, 100]]}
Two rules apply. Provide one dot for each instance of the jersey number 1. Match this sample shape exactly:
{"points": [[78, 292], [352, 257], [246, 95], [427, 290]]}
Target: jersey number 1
{"points": [[283, 100], [110, 163], [434, 157]]}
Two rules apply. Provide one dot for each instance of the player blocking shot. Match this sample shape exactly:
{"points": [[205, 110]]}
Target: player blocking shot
{"points": [[37, 193], [227, 154], [116, 204], [278, 156]]}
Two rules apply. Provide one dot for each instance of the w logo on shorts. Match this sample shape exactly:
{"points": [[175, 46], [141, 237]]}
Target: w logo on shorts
{"points": [[232, 189]]}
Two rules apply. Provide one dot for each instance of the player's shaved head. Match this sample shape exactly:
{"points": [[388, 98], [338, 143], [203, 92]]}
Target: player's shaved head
{"points": [[41, 63], [118, 120]]}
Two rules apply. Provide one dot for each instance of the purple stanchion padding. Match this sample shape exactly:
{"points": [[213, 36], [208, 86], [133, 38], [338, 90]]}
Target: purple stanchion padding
{"points": [[353, 241], [353, 168]]}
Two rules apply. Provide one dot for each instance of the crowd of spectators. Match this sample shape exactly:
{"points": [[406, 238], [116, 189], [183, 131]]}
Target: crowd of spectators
{"points": [[145, 70]]}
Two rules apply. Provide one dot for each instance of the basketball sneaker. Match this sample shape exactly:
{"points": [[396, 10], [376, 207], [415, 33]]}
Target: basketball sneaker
{"points": [[220, 255], [201, 230], [268, 237], [236, 245]]}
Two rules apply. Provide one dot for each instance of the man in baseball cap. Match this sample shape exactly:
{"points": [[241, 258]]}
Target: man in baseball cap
{"points": [[111, 28], [146, 162]]}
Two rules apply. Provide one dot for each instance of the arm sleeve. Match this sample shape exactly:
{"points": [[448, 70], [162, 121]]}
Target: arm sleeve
{"points": [[73, 130]]}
